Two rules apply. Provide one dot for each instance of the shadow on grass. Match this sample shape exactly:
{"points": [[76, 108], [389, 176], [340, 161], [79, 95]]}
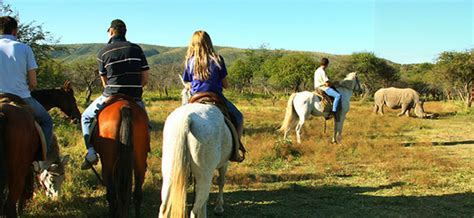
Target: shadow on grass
{"points": [[452, 143], [301, 201], [266, 129], [293, 201], [157, 125]]}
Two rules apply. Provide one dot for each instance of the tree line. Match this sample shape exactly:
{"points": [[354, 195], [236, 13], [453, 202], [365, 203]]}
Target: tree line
{"points": [[268, 71]]}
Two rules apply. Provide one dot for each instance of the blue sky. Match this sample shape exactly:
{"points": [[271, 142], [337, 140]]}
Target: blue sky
{"points": [[404, 31]]}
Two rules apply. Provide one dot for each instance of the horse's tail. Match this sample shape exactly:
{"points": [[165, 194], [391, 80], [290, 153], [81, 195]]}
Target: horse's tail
{"points": [[176, 204], [3, 161], [290, 115], [123, 167]]}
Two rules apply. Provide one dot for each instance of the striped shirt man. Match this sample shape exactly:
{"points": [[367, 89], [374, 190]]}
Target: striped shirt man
{"points": [[122, 63]]}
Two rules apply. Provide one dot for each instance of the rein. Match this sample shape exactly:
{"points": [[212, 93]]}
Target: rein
{"points": [[96, 174]]}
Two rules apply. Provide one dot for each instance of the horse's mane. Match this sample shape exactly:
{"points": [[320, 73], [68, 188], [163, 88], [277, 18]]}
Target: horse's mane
{"points": [[347, 81]]}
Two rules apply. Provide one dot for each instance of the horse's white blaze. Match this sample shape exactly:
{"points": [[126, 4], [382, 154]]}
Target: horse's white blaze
{"points": [[306, 103], [208, 143]]}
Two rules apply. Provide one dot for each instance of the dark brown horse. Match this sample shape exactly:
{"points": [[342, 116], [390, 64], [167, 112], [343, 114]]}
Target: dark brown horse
{"points": [[62, 98], [122, 139], [20, 145]]}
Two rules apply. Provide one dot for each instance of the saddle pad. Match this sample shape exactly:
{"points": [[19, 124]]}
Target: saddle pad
{"points": [[326, 101]]}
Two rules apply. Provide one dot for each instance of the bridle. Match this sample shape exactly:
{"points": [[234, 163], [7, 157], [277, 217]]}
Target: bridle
{"points": [[38, 176], [357, 84]]}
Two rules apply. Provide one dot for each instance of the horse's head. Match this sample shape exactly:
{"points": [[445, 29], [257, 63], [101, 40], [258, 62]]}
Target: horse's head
{"points": [[51, 175], [186, 92], [351, 82], [68, 103]]}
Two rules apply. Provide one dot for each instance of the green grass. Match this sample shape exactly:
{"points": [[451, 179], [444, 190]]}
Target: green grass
{"points": [[386, 166]]}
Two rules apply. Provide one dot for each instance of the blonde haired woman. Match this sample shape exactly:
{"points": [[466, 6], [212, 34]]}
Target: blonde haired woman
{"points": [[206, 72]]}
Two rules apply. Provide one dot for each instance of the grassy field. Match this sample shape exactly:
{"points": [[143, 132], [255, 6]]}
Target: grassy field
{"points": [[386, 166]]}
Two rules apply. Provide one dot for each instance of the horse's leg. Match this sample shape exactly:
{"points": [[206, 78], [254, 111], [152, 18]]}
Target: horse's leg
{"points": [[138, 192], [337, 136], [285, 134], [219, 209], [299, 126], [111, 198], [27, 191], [203, 187], [16, 186], [376, 108], [165, 189]]}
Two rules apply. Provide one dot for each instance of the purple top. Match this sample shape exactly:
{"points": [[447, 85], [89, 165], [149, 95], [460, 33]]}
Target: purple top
{"points": [[213, 84]]}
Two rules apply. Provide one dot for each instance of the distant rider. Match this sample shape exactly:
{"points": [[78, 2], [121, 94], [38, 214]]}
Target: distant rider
{"points": [[321, 81]]}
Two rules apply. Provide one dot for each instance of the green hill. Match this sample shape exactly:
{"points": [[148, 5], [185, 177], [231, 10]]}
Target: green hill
{"points": [[157, 55]]}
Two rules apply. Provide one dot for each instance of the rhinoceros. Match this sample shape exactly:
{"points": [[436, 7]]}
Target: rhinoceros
{"points": [[395, 98]]}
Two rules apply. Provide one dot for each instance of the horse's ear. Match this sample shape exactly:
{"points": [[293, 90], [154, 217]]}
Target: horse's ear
{"points": [[67, 85], [36, 166]]}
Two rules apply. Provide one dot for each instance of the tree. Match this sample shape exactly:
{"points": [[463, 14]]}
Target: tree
{"points": [[374, 72], [457, 70], [419, 77], [164, 76], [43, 44], [267, 69], [293, 70], [85, 75], [243, 70]]}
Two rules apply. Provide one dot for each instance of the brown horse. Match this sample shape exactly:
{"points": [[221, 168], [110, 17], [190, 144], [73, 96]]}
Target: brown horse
{"points": [[19, 147], [122, 139], [62, 98]]}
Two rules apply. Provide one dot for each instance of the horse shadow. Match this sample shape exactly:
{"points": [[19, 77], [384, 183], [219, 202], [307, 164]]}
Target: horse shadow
{"points": [[265, 129], [156, 125], [294, 201], [343, 201], [439, 143]]}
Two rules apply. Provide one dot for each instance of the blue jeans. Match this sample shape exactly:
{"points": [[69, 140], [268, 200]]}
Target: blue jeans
{"points": [[91, 112], [337, 98], [43, 119], [239, 118]]}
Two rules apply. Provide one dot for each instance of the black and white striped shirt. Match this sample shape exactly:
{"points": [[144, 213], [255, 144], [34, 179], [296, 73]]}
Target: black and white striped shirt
{"points": [[123, 63]]}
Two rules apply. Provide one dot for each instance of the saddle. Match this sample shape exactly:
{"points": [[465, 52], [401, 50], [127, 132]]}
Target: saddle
{"points": [[8, 98], [110, 100], [214, 99], [326, 103]]}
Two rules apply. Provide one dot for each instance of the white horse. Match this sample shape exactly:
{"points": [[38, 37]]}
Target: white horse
{"points": [[196, 141], [304, 104]]}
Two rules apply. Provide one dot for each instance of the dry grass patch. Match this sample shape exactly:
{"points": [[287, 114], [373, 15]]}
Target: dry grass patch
{"points": [[386, 166]]}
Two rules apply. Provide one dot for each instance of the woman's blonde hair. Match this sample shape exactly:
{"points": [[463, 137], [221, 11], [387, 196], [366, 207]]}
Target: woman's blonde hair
{"points": [[202, 50]]}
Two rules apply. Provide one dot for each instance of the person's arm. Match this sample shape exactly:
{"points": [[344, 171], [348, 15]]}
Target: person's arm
{"points": [[32, 82], [102, 70], [31, 67], [144, 68], [328, 83], [103, 78], [145, 77], [223, 74]]}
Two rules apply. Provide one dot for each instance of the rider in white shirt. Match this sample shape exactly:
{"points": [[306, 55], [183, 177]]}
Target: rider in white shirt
{"points": [[321, 81]]}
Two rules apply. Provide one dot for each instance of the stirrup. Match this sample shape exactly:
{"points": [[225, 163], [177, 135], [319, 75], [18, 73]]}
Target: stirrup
{"points": [[88, 164]]}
